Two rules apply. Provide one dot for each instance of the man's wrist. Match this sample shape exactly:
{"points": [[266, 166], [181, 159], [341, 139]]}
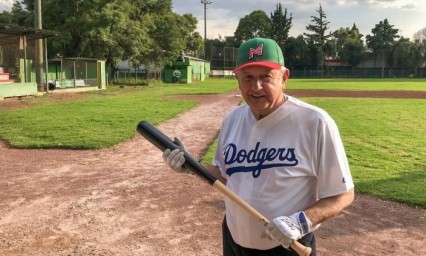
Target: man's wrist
{"points": [[304, 223]]}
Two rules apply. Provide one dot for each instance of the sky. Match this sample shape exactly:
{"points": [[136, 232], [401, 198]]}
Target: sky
{"points": [[223, 15]]}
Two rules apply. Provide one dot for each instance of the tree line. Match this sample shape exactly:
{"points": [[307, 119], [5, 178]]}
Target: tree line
{"points": [[141, 31], [149, 32], [312, 48]]}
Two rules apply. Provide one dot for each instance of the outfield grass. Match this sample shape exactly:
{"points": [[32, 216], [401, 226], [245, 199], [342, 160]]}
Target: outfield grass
{"points": [[358, 84], [385, 143], [384, 138]]}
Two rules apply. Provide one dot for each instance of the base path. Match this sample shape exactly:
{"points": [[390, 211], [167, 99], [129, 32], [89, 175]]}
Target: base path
{"points": [[124, 201]]}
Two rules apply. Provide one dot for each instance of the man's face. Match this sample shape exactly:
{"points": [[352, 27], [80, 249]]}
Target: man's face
{"points": [[262, 89]]}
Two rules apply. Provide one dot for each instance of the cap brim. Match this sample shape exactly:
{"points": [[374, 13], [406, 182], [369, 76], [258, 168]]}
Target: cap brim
{"points": [[266, 64]]}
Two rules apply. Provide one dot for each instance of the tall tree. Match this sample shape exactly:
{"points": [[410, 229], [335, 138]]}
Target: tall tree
{"points": [[281, 24], [318, 28], [382, 40], [318, 37], [256, 24]]}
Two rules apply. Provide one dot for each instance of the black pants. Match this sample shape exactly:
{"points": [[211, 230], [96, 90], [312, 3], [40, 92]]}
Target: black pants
{"points": [[230, 248]]}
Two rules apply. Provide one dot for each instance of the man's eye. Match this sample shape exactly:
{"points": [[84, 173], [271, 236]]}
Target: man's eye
{"points": [[267, 78]]}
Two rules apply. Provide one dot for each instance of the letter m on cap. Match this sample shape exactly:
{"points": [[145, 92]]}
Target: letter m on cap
{"points": [[256, 52]]}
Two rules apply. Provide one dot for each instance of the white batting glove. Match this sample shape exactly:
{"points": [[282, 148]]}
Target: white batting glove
{"points": [[285, 229], [174, 159]]}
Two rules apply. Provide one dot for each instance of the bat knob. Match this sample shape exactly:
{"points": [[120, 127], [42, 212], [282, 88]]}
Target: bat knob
{"points": [[301, 249]]}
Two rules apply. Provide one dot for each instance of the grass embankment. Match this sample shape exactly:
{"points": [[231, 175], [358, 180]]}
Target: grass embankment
{"points": [[98, 119]]}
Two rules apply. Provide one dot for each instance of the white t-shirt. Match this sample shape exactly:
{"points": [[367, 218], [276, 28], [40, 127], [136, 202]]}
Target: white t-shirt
{"points": [[280, 164]]}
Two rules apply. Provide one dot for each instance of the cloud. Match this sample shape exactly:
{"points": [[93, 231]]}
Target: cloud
{"points": [[6, 5], [409, 6], [405, 4]]}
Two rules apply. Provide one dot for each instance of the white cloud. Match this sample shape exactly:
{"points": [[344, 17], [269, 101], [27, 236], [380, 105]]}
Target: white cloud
{"points": [[6, 5], [407, 4]]}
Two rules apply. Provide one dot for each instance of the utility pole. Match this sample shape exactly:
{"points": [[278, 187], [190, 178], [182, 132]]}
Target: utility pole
{"points": [[38, 45], [205, 2]]}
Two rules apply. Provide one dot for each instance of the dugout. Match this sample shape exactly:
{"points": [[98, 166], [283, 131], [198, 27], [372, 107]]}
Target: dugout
{"points": [[65, 73], [17, 59], [186, 69]]}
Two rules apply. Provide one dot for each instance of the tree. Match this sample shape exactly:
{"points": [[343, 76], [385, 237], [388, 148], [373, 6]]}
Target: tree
{"points": [[295, 53], [318, 36], [256, 24], [280, 25], [382, 40], [408, 54], [400, 53], [319, 28], [194, 45], [169, 35], [349, 45], [5, 17], [142, 31], [420, 36], [20, 16], [315, 57]]}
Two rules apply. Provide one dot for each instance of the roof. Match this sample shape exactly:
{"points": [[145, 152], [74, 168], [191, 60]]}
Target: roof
{"points": [[9, 34], [190, 58], [58, 59]]}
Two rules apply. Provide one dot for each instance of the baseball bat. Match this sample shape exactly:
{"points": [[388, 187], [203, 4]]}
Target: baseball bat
{"points": [[163, 142]]}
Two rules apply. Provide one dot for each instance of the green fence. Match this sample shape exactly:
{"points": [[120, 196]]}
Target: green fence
{"points": [[342, 72]]}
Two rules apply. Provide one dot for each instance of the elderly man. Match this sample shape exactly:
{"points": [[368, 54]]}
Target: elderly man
{"points": [[281, 155]]}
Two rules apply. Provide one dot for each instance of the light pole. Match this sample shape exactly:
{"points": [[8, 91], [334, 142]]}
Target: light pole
{"points": [[205, 2], [38, 46]]}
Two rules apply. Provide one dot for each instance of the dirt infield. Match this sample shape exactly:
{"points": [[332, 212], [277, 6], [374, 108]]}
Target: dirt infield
{"points": [[124, 201]]}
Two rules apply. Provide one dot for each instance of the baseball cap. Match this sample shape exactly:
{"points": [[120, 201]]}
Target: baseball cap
{"points": [[259, 51]]}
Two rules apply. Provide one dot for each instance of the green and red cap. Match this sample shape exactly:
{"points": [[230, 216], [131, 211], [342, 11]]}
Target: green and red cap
{"points": [[262, 52]]}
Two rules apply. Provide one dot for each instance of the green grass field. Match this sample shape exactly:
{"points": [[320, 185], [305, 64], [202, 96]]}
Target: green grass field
{"points": [[100, 119], [358, 84], [384, 138]]}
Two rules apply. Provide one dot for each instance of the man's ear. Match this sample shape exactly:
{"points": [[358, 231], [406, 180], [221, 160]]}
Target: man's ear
{"points": [[286, 74], [238, 80]]}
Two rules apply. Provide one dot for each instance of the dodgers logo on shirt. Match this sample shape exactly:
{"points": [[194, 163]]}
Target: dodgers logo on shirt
{"points": [[261, 156]]}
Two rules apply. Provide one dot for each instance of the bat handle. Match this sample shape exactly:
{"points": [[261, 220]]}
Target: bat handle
{"points": [[298, 247], [301, 249]]}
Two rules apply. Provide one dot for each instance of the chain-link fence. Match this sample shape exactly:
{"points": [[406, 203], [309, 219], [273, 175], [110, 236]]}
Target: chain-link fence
{"points": [[223, 58], [348, 72], [72, 73]]}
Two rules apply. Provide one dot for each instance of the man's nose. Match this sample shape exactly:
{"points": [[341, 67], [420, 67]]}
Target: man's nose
{"points": [[258, 84]]}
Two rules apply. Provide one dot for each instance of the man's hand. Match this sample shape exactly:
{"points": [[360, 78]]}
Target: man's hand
{"points": [[174, 159], [285, 229]]}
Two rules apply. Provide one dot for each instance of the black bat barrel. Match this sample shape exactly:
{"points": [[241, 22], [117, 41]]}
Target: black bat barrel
{"points": [[162, 142]]}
